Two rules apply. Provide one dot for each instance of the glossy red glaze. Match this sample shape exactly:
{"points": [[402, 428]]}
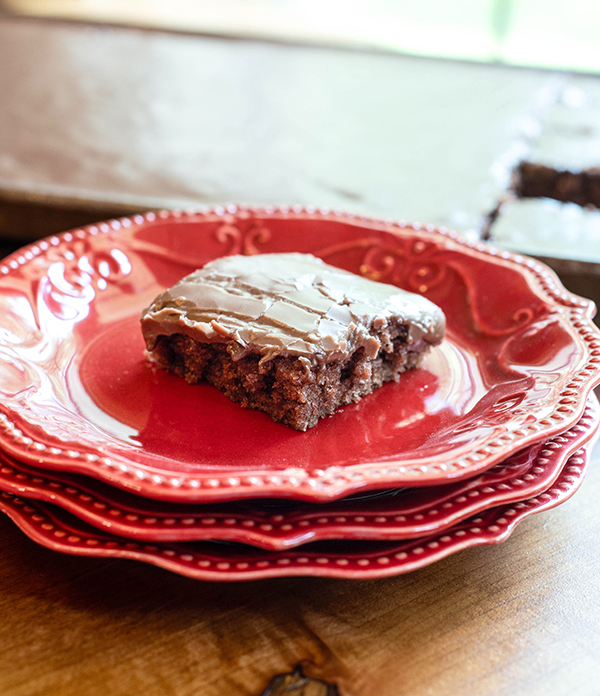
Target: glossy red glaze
{"points": [[278, 524], [220, 561], [519, 360]]}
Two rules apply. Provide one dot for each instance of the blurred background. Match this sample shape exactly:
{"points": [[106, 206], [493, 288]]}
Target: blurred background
{"points": [[481, 115], [541, 33]]}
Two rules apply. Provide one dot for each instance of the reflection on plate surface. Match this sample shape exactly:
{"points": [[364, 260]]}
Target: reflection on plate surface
{"points": [[77, 394]]}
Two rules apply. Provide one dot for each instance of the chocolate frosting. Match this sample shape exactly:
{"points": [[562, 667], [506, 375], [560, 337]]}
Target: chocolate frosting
{"points": [[288, 304]]}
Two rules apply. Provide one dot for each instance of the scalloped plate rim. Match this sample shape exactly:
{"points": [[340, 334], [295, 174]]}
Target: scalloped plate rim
{"points": [[166, 485], [425, 551], [234, 527]]}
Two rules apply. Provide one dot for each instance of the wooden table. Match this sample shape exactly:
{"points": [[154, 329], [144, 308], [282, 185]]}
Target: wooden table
{"points": [[119, 126]]}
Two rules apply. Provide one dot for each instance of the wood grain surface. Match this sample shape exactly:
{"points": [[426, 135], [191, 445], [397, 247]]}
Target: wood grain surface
{"points": [[519, 618]]}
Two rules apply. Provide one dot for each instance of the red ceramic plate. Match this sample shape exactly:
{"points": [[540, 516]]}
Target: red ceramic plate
{"points": [[221, 561], [277, 524], [76, 393]]}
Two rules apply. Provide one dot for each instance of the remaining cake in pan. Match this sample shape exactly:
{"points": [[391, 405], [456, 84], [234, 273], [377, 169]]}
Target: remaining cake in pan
{"points": [[288, 334]]}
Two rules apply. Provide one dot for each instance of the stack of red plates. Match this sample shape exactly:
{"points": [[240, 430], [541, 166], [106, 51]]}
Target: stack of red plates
{"points": [[102, 455]]}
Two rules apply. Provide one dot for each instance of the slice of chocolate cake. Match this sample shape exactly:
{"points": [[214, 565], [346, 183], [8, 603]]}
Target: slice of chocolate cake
{"points": [[288, 334]]}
